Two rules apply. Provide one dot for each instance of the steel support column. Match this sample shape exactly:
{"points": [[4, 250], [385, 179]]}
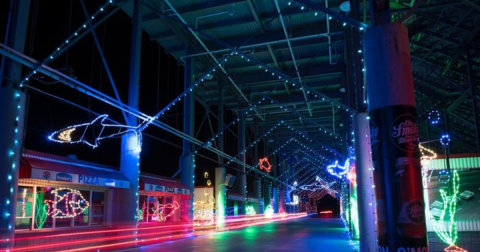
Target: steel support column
{"points": [[220, 172], [130, 146], [473, 85], [187, 160], [357, 60], [267, 195], [12, 111], [365, 193], [242, 178], [256, 180], [394, 138]]}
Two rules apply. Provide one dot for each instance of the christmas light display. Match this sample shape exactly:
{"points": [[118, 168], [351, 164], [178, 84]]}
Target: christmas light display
{"points": [[81, 133], [445, 139], [426, 158], [264, 164], [338, 170], [250, 210], [352, 176], [319, 184], [159, 213], [142, 211], [447, 229], [444, 176], [203, 218], [268, 212], [74, 201], [40, 211], [434, 117], [24, 197]]}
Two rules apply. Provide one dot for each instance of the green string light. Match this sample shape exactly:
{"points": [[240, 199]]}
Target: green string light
{"points": [[40, 211], [448, 232]]}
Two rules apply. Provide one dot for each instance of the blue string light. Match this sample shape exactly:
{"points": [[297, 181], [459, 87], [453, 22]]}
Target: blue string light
{"points": [[444, 176], [434, 117], [337, 170], [445, 139]]}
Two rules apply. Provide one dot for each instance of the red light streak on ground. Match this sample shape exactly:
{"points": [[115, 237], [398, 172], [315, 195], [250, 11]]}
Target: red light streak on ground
{"points": [[91, 240], [158, 234], [104, 231]]}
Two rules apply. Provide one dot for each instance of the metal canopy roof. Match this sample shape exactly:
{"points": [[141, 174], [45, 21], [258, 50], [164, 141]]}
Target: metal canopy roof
{"points": [[308, 47]]}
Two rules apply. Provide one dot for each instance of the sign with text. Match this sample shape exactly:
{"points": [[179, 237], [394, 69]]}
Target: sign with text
{"points": [[78, 178], [167, 189], [398, 179]]}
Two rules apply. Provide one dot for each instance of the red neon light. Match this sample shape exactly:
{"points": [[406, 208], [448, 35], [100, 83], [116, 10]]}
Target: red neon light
{"points": [[264, 164], [160, 215], [453, 248], [326, 212]]}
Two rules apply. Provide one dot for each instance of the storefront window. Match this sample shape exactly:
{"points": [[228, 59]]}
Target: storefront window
{"points": [[23, 217], [58, 208], [42, 218], [97, 205], [81, 218], [156, 209], [168, 210], [63, 210]]}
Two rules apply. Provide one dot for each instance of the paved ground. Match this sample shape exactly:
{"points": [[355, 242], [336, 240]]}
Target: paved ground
{"points": [[306, 234]]}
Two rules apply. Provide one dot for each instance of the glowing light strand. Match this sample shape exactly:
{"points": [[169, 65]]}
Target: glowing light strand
{"points": [[40, 210], [24, 196], [332, 169], [250, 210], [268, 212], [65, 135], [447, 230], [69, 201], [265, 164], [159, 214]]}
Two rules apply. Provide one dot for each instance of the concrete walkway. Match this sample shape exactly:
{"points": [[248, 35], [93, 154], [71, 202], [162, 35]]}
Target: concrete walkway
{"points": [[306, 234]]}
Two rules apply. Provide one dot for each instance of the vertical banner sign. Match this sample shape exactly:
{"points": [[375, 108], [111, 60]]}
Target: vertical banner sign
{"points": [[397, 179], [394, 139]]}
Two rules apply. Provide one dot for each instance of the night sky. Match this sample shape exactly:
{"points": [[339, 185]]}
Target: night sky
{"points": [[50, 23]]}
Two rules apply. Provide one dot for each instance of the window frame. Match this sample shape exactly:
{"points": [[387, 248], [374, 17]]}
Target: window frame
{"points": [[72, 220]]}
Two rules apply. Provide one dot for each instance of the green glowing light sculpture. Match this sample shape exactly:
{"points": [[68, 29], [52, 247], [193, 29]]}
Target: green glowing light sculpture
{"points": [[445, 227], [250, 210]]}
